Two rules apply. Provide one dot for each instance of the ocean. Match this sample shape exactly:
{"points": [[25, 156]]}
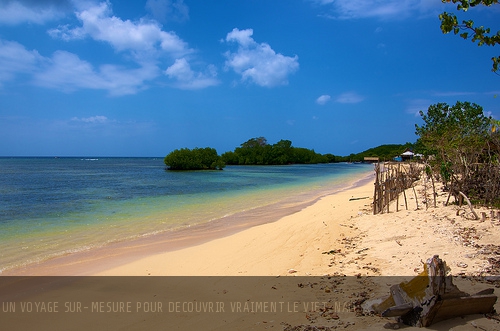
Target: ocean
{"points": [[51, 207]]}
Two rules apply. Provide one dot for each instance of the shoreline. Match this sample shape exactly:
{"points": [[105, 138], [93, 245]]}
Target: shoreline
{"points": [[272, 248], [98, 260], [333, 251]]}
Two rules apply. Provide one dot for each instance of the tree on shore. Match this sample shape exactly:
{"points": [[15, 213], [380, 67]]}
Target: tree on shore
{"points": [[468, 29], [465, 149], [256, 151], [196, 159]]}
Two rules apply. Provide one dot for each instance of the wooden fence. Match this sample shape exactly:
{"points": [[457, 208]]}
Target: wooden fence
{"points": [[392, 179]]}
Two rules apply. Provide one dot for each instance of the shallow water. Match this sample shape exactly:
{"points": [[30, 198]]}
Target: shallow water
{"points": [[54, 206]]}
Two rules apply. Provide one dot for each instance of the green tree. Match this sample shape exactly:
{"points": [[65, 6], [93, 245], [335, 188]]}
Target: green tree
{"points": [[330, 157], [468, 29], [452, 130], [196, 159], [255, 143], [252, 151], [281, 152], [465, 149], [257, 151]]}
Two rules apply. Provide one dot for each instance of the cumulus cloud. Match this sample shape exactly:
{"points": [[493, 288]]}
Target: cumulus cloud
{"points": [[349, 97], [145, 47], [188, 79], [67, 72], [15, 59], [243, 37], [258, 63], [143, 36], [14, 12], [144, 40], [321, 100], [384, 9]]}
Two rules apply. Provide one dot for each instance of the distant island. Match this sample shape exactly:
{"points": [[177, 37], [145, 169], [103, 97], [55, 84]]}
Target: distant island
{"points": [[257, 151]]}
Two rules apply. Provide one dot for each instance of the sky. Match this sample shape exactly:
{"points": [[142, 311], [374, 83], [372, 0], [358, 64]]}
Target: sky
{"points": [[145, 77]]}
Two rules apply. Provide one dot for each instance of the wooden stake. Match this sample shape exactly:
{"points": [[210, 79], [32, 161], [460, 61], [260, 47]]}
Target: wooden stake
{"points": [[470, 205], [416, 199]]}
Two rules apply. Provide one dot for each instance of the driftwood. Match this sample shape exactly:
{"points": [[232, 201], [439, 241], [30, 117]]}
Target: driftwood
{"points": [[352, 199], [428, 172], [431, 297], [470, 205]]}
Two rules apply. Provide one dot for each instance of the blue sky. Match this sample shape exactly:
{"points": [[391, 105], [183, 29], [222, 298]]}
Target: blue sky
{"points": [[144, 77]]}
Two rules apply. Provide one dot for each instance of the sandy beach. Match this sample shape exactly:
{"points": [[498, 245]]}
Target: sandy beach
{"points": [[393, 243], [360, 244], [337, 236], [294, 242]]}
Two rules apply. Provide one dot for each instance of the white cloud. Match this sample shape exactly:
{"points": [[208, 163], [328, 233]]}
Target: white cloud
{"points": [[187, 78], [144, 42], [243, 37], [94, 119], [66, 33], [38, 12], [258, 63], [67, 72], [349, 97], [16, 59], [139, 37], [323, 99], [384, 9]]}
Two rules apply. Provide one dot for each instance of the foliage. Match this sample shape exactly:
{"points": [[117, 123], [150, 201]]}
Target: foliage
{"points": [[257, 151], [196, 159], [482, 35], [465, 149], [452, 129]]}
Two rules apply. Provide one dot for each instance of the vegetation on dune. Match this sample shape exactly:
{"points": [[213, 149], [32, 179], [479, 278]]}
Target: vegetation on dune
{"points": [[463, 146]]}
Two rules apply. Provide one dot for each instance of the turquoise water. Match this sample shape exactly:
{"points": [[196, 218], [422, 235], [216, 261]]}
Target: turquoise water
{"points": [[54, 206]]}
